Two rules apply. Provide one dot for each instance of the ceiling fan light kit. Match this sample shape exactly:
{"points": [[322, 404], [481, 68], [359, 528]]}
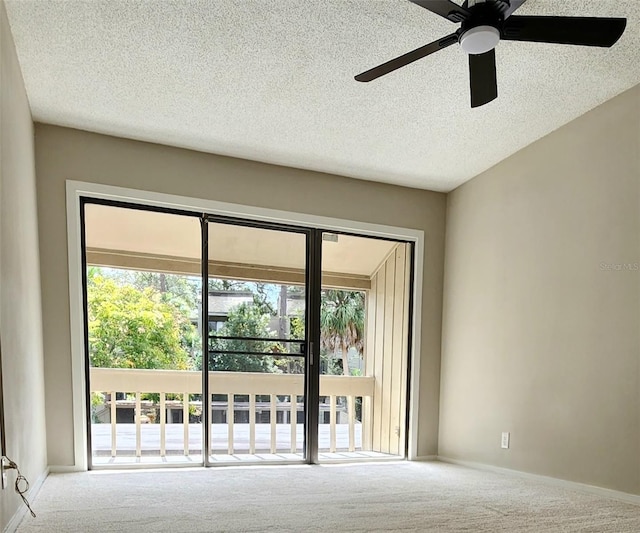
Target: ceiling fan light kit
{"points": [[484, 23], [479, 40]]}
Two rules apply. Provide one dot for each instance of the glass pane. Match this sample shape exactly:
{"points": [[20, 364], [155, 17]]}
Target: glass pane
{"points": [[363, 347], [257, 306], [143, 292]]}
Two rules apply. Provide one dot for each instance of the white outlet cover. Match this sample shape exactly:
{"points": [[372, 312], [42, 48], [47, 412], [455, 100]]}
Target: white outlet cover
{"points": [[505, 439]]}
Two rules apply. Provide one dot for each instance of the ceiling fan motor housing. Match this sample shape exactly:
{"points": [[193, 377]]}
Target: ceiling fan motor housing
{"points": [[480, 33]]}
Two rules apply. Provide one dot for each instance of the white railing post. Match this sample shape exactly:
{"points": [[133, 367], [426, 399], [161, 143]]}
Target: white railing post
{"points": [[293, 419], [163, 425], [351, 412], [367, 423], [332, 423], [138, 416], [272, 422], [113, 423], [185, 421], [252, 423], [230, 420]]}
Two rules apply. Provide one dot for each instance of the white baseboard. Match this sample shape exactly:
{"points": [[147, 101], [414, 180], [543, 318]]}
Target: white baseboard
{"points": [[425, 458], [22, 510], [64, 469], [563, 483]]}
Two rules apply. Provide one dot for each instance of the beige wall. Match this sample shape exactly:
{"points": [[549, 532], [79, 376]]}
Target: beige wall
{"points": [[20, 309], [540, 338], [63, 154]]}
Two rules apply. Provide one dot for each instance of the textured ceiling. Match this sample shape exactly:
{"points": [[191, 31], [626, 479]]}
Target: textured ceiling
{"points": [[272, 80]]}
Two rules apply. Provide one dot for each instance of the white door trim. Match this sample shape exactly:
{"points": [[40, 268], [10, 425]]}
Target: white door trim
{"points": [[78, 189]]}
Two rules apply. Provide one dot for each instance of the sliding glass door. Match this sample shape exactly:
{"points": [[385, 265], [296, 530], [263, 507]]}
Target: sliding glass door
{"points": [[142, 290], [256, 306], [213, 340], [364, 342]]}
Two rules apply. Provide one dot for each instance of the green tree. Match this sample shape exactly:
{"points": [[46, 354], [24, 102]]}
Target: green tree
{"points": [[342, 323], [133, 328], [244, 320], [261, 298], [179, 291], [292, 364]]}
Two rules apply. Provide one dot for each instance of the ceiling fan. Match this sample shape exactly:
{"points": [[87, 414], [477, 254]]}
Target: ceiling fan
{"points": [[483, 23]]}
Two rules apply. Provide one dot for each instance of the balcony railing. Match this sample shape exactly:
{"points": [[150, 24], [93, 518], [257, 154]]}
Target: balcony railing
{"points": [[283, 391]]}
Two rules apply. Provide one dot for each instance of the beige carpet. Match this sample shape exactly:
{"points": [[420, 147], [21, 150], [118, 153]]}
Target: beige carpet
{"points": [[374, 497]]}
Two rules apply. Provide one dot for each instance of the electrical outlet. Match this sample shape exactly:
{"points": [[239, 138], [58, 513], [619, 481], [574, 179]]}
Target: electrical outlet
{"points": [[505, 439]]}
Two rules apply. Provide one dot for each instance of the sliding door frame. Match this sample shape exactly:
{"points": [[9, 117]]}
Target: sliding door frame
{"points": [[313, 276], [83, 201], [77, 192], [312, 325]]}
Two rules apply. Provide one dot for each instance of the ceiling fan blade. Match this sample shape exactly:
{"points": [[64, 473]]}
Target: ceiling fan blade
{"points": [[445, 8], [407, 58], [585, 31], [513, 5], [482, 78]]}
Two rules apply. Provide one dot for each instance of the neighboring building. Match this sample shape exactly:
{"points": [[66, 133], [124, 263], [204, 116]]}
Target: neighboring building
{"points": [[221, 302]]}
